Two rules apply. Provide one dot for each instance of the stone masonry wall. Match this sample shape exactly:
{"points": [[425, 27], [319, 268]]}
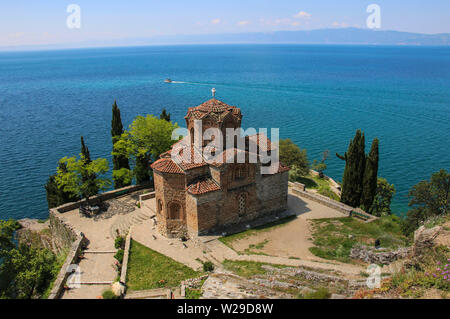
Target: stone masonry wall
{"points": [[62, 233], [170, 188]]}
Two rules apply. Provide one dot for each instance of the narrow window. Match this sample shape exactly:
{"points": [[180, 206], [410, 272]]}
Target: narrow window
{"points": [[241, 202]]}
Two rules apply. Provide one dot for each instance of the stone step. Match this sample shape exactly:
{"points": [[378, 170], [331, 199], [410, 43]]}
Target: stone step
{"points": [[96, 283]]}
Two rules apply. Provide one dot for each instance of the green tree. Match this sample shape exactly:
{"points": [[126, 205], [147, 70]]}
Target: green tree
{"points": [[24, 271], [74, 180], [120, 162], [352, 179], [381, 204], [7, 229], [321, 166], [88, 177], [30, 271], [144, 141], [370, 177], [428, 199], [291, 155], [56, 196], [164, 115]]}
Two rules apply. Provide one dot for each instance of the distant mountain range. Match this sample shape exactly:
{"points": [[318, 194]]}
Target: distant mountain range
{"points": [[319, 36]]}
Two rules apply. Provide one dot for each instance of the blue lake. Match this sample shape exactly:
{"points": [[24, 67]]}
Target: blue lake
{"points": [[317, 95]]}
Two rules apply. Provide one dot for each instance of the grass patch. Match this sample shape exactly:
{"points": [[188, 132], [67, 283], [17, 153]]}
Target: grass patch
{"points": [[322, 185], [321, 293], [195, 293], [148, 269], [228, 240], [334, 237], [247, 269]]}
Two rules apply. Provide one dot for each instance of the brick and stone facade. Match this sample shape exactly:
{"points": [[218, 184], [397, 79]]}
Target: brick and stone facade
{"points": [[206, 196]]}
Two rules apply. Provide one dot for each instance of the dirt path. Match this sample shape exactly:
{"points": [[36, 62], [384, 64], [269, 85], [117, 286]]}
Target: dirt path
{"points": [[286, 244]]}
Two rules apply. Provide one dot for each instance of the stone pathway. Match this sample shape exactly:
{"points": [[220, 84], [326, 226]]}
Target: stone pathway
{"points": [[123, 223], [97, 268]]}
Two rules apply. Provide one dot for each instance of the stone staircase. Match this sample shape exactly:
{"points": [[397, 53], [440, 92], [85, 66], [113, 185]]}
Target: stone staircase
{"points": [[122, 225]]}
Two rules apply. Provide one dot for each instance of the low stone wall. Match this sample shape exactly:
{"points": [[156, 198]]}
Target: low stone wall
{"points": [[126, 254], [72, 258], [103, 196], [146, 196], [60, 230], [370, 255], [299, 189]]}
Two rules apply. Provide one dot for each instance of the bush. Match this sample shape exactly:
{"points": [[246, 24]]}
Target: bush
{"points": [[208, 266], [119, 255], [328, 193], [108, 294], [321, 293], [119, 242]]}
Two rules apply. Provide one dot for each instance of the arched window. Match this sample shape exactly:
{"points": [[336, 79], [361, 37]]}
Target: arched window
{"points": [[174, 210], [192, 136], [240, 173], [160, 206], [242, 203]]}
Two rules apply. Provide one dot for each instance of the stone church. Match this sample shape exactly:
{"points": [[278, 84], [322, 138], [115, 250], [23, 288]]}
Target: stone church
{"points": [[204, 197]]}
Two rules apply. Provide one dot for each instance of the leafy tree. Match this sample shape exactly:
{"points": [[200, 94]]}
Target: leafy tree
{"points": [[74, 180], [370, 177], [164, 115], [56, 196], [24, 271], [144, 141], [120, 162], [291, 155], [31, 271], [7, 229], [381, 205], [88, 177], [321, 166], [428, 199], [352, 180], [294, 174]]}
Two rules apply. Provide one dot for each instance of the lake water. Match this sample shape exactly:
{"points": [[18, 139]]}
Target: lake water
{"points": [[317, 95]]}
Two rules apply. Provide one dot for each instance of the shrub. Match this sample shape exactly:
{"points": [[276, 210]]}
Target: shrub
{"points": [[119, 242], [108, 294], [321, 293], [119, 255], [328, 193], [208, 266]]}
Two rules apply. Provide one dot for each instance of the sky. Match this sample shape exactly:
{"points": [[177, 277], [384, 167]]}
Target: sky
{"points": [[44, 22]]}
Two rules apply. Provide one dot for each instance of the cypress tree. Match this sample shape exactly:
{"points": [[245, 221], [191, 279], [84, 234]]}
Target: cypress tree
{"points": [[354, 170], [164, 115], [85, 152], [119, 161], [142, 169], [92, 189], [370, 177]]}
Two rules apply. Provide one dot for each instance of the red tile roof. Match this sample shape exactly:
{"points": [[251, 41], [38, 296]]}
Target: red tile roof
{"points": [[283, 168], [166, 165], [202, 187], [215, 108]]}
